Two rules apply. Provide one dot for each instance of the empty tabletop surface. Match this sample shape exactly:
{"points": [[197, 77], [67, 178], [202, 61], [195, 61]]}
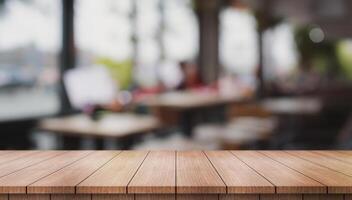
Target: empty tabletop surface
{"points": [[110, 125], [190, 99], [175, 172]]}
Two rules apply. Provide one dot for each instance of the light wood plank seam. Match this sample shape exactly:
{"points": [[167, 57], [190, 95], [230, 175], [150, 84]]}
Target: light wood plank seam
{"points": [[175, 175], [117, 154], [9, 161], [136, 172], [59, 169], [344, 152], [342, 160], [275, 190], [34, 164], [318, 164], [326, 186], [217, 172]]}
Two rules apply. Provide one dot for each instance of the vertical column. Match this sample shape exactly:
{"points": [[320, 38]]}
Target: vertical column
{"points": [[68, 55], [208, 15]]}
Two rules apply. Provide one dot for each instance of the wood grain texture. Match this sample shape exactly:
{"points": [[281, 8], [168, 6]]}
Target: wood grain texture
{"points": [[115, 175], [66, 179], [197, 197], [286, 180], [348, 197], [238, 197], [155, 197], [322, 197], [17, 182], [281, 197], [112, 197], [28, 197], [8, 156], [156, 174], [70, 197], [4, 197], [344, 157], [325, 161], [29, 160], [238, 177], [335, 181], [195, 174]]}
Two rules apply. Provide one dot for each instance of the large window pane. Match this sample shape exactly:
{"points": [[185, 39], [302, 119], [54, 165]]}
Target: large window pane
{"points": [[30, 35]]}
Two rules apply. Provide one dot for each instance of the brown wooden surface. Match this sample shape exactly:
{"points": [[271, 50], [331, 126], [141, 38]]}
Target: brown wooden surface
{"points": [[156, 175], [339, 155], [322, 197], [238, 177], [325, 161], [239, 197], [281, 197], [4, 197], [155, 197], [70, 197], [166, 175], [26, 161], [8, 156], [112, 197], [284, 178], [336, 182], [195, 174], [66, 179], [115, 175], [18, 181], [28, 197], [197, 197]]}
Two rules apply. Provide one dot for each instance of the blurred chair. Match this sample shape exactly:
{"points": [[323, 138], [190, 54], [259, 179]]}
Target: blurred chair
{"points": [[174, 142], [250, 124]]}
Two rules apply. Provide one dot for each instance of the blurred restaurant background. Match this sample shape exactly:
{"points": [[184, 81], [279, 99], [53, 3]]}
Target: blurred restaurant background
{"points": [[175, 74]]}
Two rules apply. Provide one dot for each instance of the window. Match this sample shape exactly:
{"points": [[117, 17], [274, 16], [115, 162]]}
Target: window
{"points": [[141, 36], [30, 41]]}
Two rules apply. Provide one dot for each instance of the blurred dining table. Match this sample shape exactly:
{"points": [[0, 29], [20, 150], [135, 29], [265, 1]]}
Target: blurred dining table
{"points": [[110, 126], [182, 107], [293, 113]]}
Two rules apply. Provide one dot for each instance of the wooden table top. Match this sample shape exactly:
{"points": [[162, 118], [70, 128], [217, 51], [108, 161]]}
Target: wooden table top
{"points": [[293, 105], [188, 100], [111, 125], [170, 172]]}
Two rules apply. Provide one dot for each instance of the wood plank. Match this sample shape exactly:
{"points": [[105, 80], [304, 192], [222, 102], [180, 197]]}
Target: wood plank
{"points": [[8, 156], [322, 197], [281, 197], [115, 175], [157, 174], [322, 160], [66, 179], [155, 197], [238, 177], [286, 180], [27, 161], [197, 197], [71, 197], [335, 181], [112, 197], [4, 196], [17, 182], [195, 174], [336, 155], [29, 197], [238, 197]]}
